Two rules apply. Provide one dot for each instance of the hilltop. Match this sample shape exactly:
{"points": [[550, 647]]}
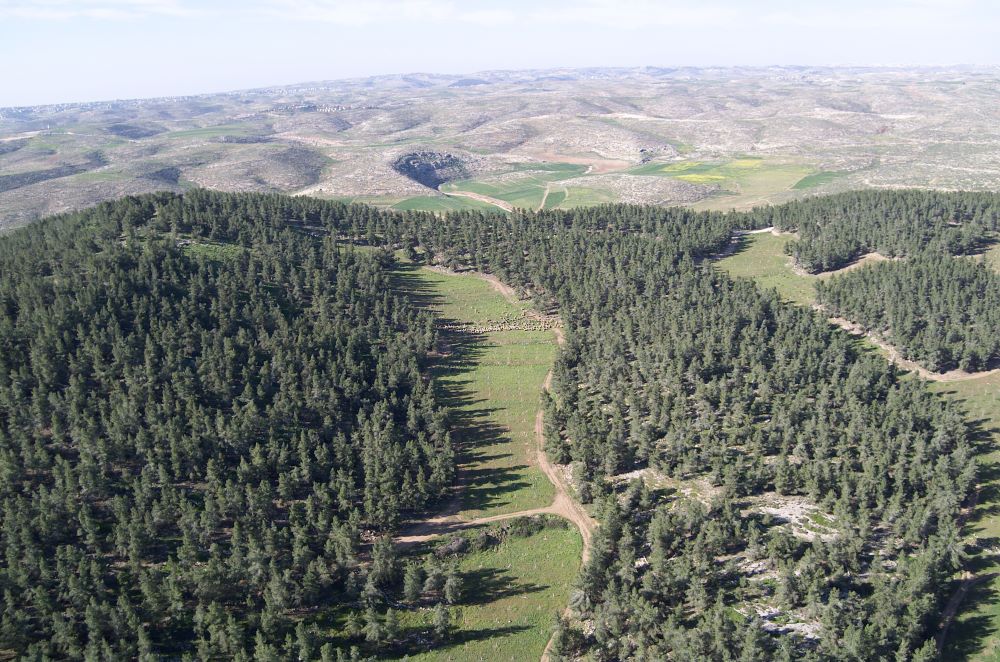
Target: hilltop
{"points": [[712, 138]]}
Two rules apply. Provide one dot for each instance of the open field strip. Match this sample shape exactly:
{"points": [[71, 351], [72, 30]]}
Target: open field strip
{"points": [[513, 592], [492, 383], [975, 632], [490, 373], [993, 257]]}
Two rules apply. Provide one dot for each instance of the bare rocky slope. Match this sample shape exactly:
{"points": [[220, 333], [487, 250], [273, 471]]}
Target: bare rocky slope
{"points": [[713, 137]]}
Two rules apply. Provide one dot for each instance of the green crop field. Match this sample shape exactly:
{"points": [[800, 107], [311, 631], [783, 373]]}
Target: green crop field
{"points": [[528, 191], [552, 172], [493, 382], [555, 199], [742, 182], [439, 203], [818, 179], [579, 196], [525, 193], [512, 594]]}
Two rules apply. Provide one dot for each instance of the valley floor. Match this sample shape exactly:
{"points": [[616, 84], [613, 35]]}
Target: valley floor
{"points": [[495, 359]]}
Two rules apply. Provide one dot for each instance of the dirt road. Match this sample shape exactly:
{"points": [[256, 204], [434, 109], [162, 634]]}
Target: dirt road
{"points": [[564, 504], [893, 355]]}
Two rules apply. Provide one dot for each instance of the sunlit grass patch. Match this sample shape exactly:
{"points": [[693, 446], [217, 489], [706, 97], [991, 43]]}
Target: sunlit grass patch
{"points": [[512, 593]]}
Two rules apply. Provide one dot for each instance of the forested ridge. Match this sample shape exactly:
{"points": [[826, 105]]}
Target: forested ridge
{"points": [[837, 229], [941, 311], [733, 400], [192, 441]]}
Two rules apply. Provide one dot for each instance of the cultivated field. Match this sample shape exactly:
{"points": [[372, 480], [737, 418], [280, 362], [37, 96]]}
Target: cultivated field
{"points": [[713, 138]]}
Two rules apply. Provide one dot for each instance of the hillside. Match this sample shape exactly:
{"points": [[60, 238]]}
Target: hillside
{"points": [[713, 138], [219, 411]]}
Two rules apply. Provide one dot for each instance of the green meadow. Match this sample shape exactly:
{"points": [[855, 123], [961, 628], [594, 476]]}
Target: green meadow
{"points": [[511, 596], [762, 258], [492, 382]]}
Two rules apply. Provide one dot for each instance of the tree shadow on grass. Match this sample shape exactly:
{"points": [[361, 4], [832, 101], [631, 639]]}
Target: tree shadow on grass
{"points": [[968, 634], [423, 639], [482, 587], [486, 585], [474, 431]]}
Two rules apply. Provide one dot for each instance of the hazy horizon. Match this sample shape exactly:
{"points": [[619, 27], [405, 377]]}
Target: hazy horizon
{"points": [[75, 51], [483, 72]]}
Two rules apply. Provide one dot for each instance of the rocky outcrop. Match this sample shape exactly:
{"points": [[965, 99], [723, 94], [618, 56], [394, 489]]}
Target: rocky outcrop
{"points": [[430, 168]]}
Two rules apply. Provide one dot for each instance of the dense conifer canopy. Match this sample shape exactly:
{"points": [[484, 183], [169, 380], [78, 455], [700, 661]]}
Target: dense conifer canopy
{"points": [[835, 230], [205, 399], [941, 311]]}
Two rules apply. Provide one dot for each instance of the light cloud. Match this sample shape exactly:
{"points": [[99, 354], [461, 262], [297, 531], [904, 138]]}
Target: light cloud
{"points": [[899, 15]]}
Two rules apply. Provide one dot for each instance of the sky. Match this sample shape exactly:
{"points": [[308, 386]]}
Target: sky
{"points": [[54, 51]]}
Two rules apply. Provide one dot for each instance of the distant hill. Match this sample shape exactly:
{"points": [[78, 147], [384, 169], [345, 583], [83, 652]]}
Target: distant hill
{"points": [[712, 137]]}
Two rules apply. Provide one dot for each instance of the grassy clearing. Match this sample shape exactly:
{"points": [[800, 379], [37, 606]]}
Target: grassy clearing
{"points": [[762, 258], [975, 633], [992, 257], [818, 179], [213, 250], [492, 383], [513, 592], [438, 203]]}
